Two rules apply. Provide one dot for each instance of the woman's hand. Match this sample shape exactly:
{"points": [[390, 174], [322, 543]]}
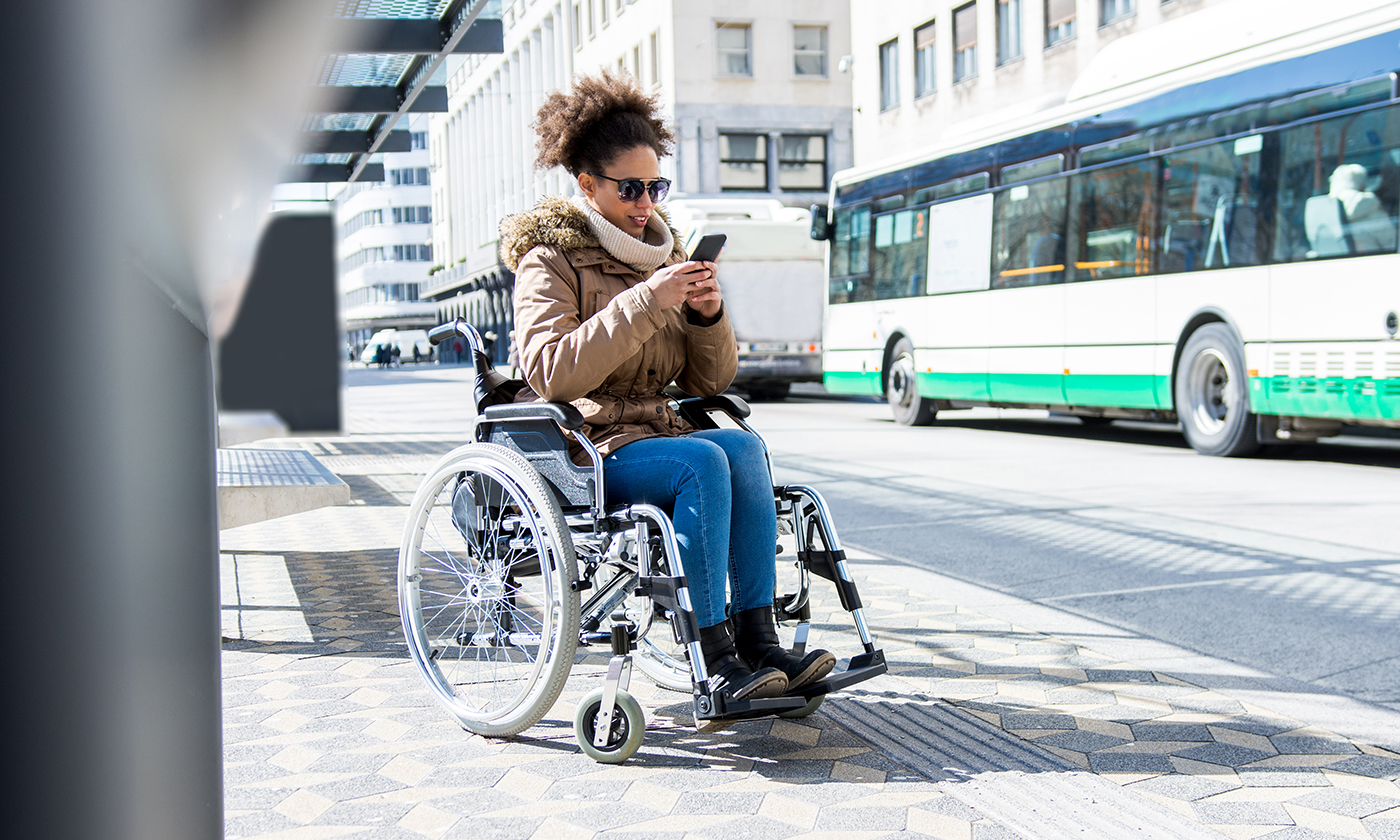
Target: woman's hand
{"points": [[692, 283]]}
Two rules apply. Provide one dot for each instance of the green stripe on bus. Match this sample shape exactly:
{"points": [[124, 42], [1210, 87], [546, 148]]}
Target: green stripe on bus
{"points": [[1356, 398], [850, 382], [1124, 391], [953, 386], [1128, 390], [1034, 388]]}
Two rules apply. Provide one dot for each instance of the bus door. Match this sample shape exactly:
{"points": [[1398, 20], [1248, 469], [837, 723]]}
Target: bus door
{"points": [[952, 325], [1111, 301], [1026, 304]]}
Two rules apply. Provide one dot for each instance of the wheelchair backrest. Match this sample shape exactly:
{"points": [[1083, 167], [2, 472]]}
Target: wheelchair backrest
{"points": [[543, 445]]}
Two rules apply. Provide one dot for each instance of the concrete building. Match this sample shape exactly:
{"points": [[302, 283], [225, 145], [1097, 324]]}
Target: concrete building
{"points": [[385, 250], [755, 91], [926, 71]]}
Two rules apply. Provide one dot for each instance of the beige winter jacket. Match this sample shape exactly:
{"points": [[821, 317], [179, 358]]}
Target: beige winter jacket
{"points": [[589, 331]]}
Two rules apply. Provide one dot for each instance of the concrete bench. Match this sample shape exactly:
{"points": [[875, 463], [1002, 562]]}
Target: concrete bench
{"points": [[260, 484]]}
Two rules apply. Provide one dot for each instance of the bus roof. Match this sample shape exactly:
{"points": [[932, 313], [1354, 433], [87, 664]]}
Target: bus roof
{"points": [[1213, 60]]}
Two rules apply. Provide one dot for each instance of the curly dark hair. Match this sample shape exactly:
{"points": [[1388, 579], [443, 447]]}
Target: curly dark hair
{"points": [[602, 117]]}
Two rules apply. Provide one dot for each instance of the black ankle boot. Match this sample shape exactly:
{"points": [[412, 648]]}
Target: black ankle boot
{"points": [[756, 640], [740, 682]]}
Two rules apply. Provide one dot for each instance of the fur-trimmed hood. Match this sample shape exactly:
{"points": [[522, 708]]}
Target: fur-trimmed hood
{"points": [[560, 223]]}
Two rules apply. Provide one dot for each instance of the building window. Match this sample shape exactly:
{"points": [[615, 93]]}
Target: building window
{"points": [[384, 293], [578, 26], [965, 42], [924, 62], [809, 50], [743, 162], [363, 220], [413, 215], [656, 58], [802, 162], [732, 40], [412, 253], [1059, 21], [603, 9], [889, 74], [637, 61], [409, 177], [591, 23], [1112, 10], [1009, 31], [418, 139]]}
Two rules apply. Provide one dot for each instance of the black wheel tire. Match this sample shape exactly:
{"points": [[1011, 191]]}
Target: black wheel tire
{"points": [[812, 705], [902, 390], [1211, 393], [769, 392]]}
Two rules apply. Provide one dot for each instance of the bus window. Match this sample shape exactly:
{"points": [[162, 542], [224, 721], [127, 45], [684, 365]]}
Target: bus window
{"points": [[901, 253], [1114, 214], [850, 255], [1210, 207], [1028, 235], [1339, 187]]}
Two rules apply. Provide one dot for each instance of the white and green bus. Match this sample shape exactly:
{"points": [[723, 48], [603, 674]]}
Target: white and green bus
{"points": [[1215, 245]]}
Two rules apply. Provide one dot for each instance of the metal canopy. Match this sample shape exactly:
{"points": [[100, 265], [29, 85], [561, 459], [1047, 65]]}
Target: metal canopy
{"points": [[351, 142], [387, 54]]}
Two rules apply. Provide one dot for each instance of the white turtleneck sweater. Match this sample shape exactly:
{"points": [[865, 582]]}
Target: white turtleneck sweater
{"points": [[645, 254]]}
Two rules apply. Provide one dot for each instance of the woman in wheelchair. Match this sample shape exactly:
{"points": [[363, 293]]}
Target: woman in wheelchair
{"points": [[608, 312]]}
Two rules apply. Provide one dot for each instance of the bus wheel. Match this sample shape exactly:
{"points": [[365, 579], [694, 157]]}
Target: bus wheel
{"points": [[1211, 399], [901, 389]]}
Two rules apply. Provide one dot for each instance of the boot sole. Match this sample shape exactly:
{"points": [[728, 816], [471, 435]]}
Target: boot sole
{"points": [[812, 673], [774, 685]]}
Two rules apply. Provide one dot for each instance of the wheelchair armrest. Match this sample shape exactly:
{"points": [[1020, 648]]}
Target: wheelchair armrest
{"points": [[696, 410], [564, 414]]}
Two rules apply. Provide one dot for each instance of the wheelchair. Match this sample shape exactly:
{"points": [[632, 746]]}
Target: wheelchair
{"points": [[511, 562]]}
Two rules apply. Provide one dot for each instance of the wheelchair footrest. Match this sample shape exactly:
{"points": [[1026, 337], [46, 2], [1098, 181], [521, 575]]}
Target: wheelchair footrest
{"points": [[723, 709], [863, 667]]}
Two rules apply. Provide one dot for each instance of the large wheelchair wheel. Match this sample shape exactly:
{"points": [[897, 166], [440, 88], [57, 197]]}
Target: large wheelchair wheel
{"points": [[661, 658], [484, 590]]}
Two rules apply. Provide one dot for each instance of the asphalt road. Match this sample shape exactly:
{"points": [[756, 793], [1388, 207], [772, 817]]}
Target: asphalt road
{"points": [[1280, 573], [1274, 578]]}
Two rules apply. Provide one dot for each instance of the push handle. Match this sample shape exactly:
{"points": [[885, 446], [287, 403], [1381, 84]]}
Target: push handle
{"points": [[442, 332], [474, 341]]}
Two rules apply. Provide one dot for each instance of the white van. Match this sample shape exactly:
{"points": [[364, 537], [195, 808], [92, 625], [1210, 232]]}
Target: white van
{"points": [[774, 282], [405, 340]]}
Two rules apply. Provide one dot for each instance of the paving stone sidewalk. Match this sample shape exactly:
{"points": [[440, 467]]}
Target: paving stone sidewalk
{"points": [[982, 729]]}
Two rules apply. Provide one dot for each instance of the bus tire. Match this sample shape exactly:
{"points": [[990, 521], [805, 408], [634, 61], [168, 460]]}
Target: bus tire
{"points": [[902, 390], [1212, 400]]}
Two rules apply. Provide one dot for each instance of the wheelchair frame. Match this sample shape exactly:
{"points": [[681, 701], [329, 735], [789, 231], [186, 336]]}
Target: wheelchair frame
{"points": [[550, 518]]}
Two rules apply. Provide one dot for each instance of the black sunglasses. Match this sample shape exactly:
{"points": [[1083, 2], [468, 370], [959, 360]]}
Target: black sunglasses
{"points": [[631, 189]]}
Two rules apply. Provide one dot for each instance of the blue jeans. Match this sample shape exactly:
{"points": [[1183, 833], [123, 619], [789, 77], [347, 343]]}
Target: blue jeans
{"points": [[718, 485]]}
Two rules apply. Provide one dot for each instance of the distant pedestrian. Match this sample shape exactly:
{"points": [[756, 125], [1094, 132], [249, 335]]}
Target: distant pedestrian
{"points": [[394, 356]]}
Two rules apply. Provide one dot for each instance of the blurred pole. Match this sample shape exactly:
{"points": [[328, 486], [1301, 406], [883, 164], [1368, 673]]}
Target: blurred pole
{"points": [[132, 197], [110, 605]]}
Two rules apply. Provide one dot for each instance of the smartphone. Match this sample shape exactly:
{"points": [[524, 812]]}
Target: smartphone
{"points": [[708, 248]]}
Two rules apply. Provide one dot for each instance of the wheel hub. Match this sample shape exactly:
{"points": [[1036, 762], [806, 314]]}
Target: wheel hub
{"points": [[902, 380], [487, 588], [1208, 389]]}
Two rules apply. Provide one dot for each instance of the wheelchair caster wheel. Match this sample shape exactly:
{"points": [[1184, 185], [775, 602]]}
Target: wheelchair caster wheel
{"points": [[812, 705], [625, 733]]}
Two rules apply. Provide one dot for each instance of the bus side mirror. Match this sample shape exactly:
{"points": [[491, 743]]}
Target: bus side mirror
{"points": [[821, 229]]}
